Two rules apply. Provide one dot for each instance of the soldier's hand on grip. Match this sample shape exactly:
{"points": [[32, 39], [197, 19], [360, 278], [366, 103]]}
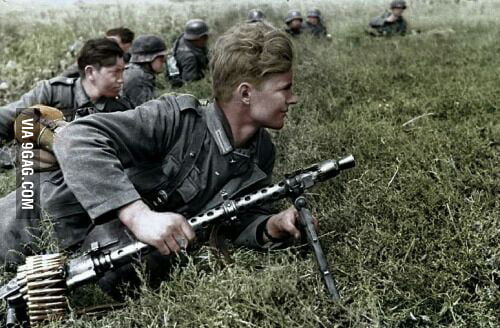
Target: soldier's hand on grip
{"points": [[168, 232]]}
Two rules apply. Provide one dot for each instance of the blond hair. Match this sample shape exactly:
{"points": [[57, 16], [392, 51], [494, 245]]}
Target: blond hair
{"points": [[248, 52]]}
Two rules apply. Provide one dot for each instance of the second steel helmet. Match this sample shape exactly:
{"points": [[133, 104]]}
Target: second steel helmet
{"points": [[146, 48], [293, 14], [314, 13], [195, 29], [255, 15], [398, 4]]}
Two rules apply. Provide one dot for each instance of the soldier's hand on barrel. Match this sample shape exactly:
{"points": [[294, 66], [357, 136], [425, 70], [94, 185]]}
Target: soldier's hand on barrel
{"points": [[168, 232]]}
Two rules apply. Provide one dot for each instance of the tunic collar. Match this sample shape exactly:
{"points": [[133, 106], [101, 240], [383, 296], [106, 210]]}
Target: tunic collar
{"points": [[219, 128]]}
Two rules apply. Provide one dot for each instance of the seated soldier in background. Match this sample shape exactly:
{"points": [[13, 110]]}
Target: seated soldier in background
{"points": [[147, 59], [293, 22], [139, 174], [314, 24], [390, 23], [101, 66], [190, 53], [255, 15], [121, 35]]}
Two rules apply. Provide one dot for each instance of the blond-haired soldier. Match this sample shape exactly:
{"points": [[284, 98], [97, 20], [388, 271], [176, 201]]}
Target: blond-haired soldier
{"points": [[172, 158]]}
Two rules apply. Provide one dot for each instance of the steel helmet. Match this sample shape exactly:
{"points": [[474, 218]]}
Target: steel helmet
{"points": [[146, 48], [398, 4], [294, 14], [314, 13], [195, 29], [255, 15]]}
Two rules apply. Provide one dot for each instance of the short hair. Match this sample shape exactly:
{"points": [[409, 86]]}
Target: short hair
{"points": [[126, 35], [99, 53], [248, 52]]}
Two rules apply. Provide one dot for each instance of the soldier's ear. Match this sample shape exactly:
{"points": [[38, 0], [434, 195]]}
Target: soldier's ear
{"points": [[244, 92], [90, 72]]}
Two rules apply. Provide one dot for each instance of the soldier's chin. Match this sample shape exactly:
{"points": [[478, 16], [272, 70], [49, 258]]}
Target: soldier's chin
{"points": [[113, 93], [277, 125]]}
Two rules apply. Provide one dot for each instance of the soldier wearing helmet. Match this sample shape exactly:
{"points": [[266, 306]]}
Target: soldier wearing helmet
{"points": [[190, 53], [314, 24], [147, 59], [255, 15], [293, 22], [391, 22]]}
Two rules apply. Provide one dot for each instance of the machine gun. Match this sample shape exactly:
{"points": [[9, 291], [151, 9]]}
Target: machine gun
{"points": [[38, 292]]}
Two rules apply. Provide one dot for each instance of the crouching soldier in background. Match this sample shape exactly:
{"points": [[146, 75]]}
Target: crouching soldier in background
{"points": [[390, 23], [139, 174], [190, 53], [314, 24], [147, 59], [101, 67], [293, 21]]}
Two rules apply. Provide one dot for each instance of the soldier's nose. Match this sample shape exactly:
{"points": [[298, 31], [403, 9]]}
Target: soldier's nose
{"points": [[293, 100]]}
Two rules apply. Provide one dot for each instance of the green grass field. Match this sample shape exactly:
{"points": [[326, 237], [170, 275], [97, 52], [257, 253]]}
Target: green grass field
{"points": [[412, 233]]}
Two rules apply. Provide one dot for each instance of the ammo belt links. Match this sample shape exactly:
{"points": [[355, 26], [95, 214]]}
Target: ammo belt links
{"points": [[43, 287]]}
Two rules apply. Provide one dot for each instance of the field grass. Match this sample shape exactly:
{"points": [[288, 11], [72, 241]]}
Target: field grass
{"points": [[412, 233]]}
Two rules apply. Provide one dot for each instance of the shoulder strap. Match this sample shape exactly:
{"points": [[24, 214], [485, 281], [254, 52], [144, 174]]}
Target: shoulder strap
{"points": [[187, 101], [62, 80], [176, 44]]}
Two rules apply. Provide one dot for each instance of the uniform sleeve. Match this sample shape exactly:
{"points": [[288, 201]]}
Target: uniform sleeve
{"points": [[40, 94], [94, 151], [190, 70], [378, 21]]}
